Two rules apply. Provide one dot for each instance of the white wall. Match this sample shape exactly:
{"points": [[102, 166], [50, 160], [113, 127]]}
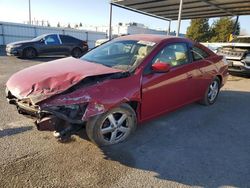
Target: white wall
{"points": [[12, 32], [127, 29]]}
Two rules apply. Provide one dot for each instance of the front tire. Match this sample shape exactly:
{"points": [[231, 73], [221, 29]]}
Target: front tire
{"points": [[112, 127], [211, 92], [30, 53], [76, 52]]}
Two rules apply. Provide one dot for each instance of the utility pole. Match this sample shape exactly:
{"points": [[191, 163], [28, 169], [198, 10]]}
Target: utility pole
{"points": [[29, 13]]}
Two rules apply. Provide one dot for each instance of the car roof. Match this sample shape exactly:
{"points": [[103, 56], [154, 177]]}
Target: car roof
{"points": [[150, 37], [55, 34]]}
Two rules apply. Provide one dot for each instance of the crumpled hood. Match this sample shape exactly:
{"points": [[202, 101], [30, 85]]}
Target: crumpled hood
{"points": [[41, 81]]}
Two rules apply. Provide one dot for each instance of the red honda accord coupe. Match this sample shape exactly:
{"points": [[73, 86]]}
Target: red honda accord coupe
{"points": [[113, 87]]}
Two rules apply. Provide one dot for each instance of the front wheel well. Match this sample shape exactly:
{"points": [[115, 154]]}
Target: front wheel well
{"points": [[25, 50], [134, 105], [29, 47], [220, 78]]}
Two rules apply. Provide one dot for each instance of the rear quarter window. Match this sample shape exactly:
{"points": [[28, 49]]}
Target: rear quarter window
{"points": [[68, 39], [199, 53]]}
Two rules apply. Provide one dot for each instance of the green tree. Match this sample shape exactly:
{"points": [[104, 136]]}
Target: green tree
{"points": [[199, 30], [80, 25], [69, 25], [58, 24], [222, 28]]}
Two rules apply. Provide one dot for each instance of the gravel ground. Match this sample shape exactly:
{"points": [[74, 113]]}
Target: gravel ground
{"points": [[194, 146]]}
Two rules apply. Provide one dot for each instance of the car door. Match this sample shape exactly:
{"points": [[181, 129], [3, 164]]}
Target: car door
{"points": [[162, 92], [205, 69], [68, 43], [53, 45]]}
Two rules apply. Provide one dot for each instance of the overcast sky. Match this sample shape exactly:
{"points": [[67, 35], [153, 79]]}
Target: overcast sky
{"points": [[89, 12]]}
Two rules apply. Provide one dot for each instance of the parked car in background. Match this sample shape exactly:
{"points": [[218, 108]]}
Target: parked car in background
{"points": [[237, 54], [48, 44], [100, 41], [111, 88]]}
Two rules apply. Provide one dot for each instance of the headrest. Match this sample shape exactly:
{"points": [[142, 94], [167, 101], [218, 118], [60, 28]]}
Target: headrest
{"points": [[142, 51], [180, 56]]}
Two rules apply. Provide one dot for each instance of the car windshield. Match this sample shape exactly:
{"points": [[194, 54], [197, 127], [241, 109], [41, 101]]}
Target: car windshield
{"points": [[38, 38], [241, 40], [120, 54]]}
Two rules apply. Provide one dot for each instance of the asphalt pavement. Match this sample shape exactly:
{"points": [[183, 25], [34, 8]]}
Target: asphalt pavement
{"points": [[193, 146]]}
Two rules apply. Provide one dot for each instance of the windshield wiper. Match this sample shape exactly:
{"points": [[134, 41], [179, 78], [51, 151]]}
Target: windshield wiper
{"points": [[119, 75]]}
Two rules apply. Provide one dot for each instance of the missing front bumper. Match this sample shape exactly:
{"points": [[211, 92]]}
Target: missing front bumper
{"points": [[47, 119], [49, 123]]}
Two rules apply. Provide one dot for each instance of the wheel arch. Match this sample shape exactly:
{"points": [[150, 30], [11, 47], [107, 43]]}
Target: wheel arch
{"points": [[76, 47], [30, 47], [94, 108], [135, 105], [220, 78]]}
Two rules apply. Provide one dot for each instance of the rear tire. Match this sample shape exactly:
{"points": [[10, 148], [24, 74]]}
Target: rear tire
{"points": [[76, 52], [212, 92], [112, 127], [30, 53]]}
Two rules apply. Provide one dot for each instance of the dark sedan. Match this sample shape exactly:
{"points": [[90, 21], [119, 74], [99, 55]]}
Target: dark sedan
{"points": [[48, 44]]}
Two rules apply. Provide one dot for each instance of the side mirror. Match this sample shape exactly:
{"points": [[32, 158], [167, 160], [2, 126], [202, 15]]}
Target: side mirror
{"points": [[161, 67], [42, 41]]}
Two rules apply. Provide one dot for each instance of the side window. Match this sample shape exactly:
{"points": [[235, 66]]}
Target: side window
{"points": [[51, 39], [66, 39], [198, 53], [175, 54]]}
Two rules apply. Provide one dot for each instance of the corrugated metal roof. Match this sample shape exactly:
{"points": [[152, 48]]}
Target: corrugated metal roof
{"points": [[191, 8]]}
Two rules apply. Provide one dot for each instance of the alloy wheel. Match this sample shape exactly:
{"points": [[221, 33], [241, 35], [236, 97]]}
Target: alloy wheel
{"points": [[213, 90], [115, 127]]}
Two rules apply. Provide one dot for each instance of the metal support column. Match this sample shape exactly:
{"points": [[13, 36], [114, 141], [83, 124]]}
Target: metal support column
{"points": [[87, 36], [2, 30], [35, 32], [179, 18], [110, 22], [169, 27], [235, 25]]}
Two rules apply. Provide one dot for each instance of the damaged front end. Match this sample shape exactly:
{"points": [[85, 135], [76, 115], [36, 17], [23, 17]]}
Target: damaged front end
{"points": [[67, 112], [64, 120], [57, 98]]}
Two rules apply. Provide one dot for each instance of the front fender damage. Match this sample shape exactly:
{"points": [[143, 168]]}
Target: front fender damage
{"points": [[98, 98], [77, 106]]}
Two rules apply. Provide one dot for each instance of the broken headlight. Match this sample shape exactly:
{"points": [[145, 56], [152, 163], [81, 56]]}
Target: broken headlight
{"points": [[74, 111]]}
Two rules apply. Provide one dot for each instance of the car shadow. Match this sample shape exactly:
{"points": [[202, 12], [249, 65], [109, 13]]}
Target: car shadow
{"points": [[196, 145], [14, 131]]}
